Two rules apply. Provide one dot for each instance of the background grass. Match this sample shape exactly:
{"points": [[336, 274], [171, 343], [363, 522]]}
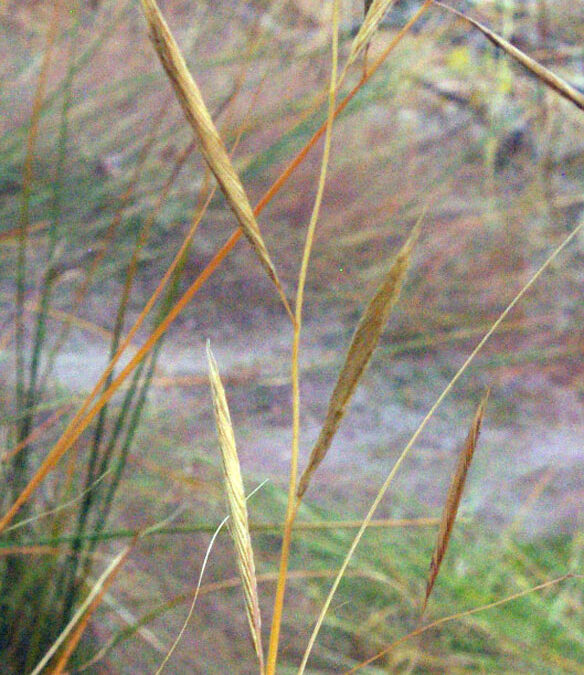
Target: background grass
{"points": [[445, 117]]}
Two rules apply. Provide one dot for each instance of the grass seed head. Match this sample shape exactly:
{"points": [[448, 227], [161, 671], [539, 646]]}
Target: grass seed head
{"points": [[362, 346], [238, 524]]}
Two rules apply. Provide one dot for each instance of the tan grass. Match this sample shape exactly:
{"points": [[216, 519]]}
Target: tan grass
{"points": [[541, 72], [238, 524], [299, 305], [406, 451], [375, 10], [87, 412], [212, 147], [361, 349], [453, 498]]}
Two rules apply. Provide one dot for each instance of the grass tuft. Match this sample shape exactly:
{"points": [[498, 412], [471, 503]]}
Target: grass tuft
{"points": [[101, 191]]}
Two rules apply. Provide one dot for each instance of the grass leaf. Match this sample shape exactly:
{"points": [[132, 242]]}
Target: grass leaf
{"points": [[453, 497], [85, 610], [362, 346]]}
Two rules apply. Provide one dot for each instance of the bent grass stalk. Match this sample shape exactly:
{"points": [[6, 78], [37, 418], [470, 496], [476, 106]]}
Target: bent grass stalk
{"points": [[542, 73]]}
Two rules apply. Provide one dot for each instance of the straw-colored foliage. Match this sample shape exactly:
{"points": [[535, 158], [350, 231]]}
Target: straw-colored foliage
{"points": [[238, 524], [212, 147], [375, 10], [453, 497], [361, 349], [49, 605], [542, 73]]}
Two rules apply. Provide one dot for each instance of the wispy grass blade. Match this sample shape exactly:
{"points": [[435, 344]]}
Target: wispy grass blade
{"points": [[239, 524], [73, 631], [62, 507], [36, 433], [362, 346], [453, 498], [213, 148], [48, 283], [541, 72], [216, 532], [20, 464]]}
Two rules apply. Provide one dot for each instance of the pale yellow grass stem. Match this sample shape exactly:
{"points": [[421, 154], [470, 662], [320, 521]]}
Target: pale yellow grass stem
{"points": [[291, 505]]}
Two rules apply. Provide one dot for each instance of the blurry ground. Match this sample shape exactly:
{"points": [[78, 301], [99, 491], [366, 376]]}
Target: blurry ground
{"points": [[499, 160]]}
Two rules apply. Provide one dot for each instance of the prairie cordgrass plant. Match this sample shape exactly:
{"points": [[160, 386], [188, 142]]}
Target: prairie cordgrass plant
{"points": [[291, 348]]}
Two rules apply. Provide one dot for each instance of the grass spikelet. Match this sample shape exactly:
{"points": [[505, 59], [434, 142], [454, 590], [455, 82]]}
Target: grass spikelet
{"points": [[212, 147], [375, 10], [239, 525], [541, 72], [362, 346], [453, 497]]}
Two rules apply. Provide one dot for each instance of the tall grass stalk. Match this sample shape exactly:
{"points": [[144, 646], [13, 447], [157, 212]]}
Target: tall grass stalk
{"points": [[291, 507]]}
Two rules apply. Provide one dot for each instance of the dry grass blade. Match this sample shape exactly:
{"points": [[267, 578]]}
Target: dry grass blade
{"points": [[239, 525], [406, 451], [360, 351], [213, 149], [453, 498], [541, 72]]}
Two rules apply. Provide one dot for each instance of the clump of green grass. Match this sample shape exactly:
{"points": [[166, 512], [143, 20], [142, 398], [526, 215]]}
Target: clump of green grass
{"points": [[47, 607]]}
